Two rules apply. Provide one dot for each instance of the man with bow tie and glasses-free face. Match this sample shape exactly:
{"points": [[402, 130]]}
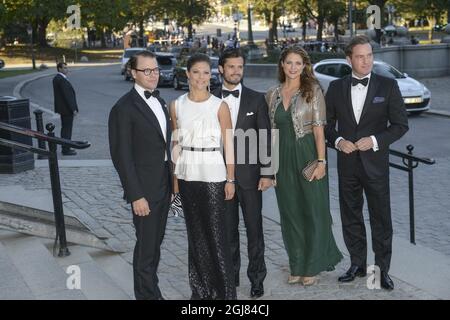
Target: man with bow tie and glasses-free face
{"points": [[250, 118], [139, 139], [370, 115]]}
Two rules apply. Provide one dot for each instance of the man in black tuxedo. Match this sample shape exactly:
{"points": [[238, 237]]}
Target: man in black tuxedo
{"points": [[249, 113], [370, 115], [139, 140], [65, 104]]}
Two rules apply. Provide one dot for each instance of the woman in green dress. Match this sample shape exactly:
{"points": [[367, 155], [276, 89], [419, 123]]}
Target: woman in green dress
{"points": [[297, 110]]}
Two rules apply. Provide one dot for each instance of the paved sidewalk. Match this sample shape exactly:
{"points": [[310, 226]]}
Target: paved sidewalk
{"points": [[94, 188]]}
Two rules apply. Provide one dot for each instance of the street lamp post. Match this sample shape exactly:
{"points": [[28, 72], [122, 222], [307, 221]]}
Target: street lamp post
{"points": [[250, 31], [30, 33]]}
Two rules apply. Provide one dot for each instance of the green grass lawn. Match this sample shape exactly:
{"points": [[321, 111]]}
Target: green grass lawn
{"points": [[12, 73]]}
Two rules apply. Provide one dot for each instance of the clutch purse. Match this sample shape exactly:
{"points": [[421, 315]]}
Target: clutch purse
{"points": [[308, 170]]}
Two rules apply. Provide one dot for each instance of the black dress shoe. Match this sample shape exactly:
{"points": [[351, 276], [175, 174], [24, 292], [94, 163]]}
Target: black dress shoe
{"points": [[352, 273], [69, 153], [386, 282], [257, 291]]}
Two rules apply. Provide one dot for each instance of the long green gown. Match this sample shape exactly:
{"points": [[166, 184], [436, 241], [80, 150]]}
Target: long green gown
{"points": [[304, 206]]}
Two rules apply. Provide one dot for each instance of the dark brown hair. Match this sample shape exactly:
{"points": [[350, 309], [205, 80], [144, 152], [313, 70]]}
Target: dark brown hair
{"points": [[307, 78], [359, 39], [134, 59], [230, 53], [197, 57]]}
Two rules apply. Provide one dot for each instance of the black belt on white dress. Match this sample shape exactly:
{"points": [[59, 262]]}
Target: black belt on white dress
{"points": [[200, 149]]}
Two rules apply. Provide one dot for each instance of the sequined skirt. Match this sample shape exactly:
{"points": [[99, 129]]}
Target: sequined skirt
{"points": [[210, 265]]}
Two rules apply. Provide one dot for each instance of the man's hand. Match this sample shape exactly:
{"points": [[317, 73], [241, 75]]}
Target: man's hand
{"points": [[141, 208], [364, 144], [264, 184], [229, 191], [347, 146]]}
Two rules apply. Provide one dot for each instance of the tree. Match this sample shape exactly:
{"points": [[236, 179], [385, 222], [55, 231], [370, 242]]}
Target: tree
{"points": [[37, 13], [142, 10], [105, 15], [271, 10], [188, 12], [321, 11]]}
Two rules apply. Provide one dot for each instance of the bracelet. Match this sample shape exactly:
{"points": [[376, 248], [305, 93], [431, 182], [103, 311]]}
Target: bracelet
{"points": [[231, 181], [322, 161]]}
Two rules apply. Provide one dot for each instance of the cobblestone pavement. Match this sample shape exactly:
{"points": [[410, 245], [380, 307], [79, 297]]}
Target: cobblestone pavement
{"points": [[96, 191]]}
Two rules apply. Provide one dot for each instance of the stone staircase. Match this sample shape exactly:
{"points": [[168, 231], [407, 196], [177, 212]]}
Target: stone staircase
{"points": [[28, 270]]}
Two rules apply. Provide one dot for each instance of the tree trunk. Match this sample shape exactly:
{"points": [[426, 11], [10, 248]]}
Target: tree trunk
{"points": [[41, 32], [304, 29], [141, 33], [269, 24], [190, 30], [102, 37], [320, 22], [336, 29], [275, 27]]}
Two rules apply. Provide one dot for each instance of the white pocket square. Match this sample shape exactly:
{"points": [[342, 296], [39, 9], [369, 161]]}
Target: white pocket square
{"points": [[250, 114]]}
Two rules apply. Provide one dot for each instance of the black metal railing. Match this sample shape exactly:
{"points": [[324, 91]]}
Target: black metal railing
{"points": [[52, 156], [410, 162]]}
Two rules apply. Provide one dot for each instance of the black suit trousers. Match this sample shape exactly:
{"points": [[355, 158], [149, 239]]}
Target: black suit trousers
{"points": [[66, 128], [150, 231], [351, 188], [250, 201]]}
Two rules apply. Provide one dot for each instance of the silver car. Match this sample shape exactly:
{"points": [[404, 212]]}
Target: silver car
{"points": [[416, 96]]}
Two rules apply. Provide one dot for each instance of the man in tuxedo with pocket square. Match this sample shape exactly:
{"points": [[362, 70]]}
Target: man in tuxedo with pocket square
{"points": [[250, 118], [370, 115]]}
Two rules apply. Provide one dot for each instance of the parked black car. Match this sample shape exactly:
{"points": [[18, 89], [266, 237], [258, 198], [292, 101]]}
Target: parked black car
{"points": [[180, 77], [2, 63], [166, 63]]}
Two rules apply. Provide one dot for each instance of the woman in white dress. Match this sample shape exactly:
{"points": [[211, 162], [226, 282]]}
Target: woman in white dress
{"points": [[201, 123]]}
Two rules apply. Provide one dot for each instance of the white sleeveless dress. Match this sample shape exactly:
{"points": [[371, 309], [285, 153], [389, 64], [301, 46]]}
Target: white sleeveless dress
{"points": [[198, 127]]}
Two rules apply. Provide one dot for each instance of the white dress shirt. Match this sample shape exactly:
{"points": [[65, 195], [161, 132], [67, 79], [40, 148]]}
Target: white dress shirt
{"points": [[157, 110], [63, 75], [233, 103], [358, 95]]}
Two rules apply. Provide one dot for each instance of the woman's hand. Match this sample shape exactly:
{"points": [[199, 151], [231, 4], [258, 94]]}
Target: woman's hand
{"points": [[229, 190], [319, 172]]}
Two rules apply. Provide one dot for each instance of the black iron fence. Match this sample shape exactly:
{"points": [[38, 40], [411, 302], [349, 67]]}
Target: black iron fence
{"points": [[52, 156], [410, 162]]}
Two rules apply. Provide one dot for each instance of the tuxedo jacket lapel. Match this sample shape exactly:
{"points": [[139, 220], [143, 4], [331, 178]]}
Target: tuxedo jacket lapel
{"points": [[373, 85], [242, 107], [347, 89], [147, 112]]}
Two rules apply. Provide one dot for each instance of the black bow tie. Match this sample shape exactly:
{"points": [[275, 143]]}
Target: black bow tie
{"points": [[226, 93], [363, 81], [149, 94]]}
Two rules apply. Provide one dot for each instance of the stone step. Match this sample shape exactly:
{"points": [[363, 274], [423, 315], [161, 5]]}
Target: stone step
{"points": [[12, 284], [39, 270], [99, 281], [117, 268]]}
